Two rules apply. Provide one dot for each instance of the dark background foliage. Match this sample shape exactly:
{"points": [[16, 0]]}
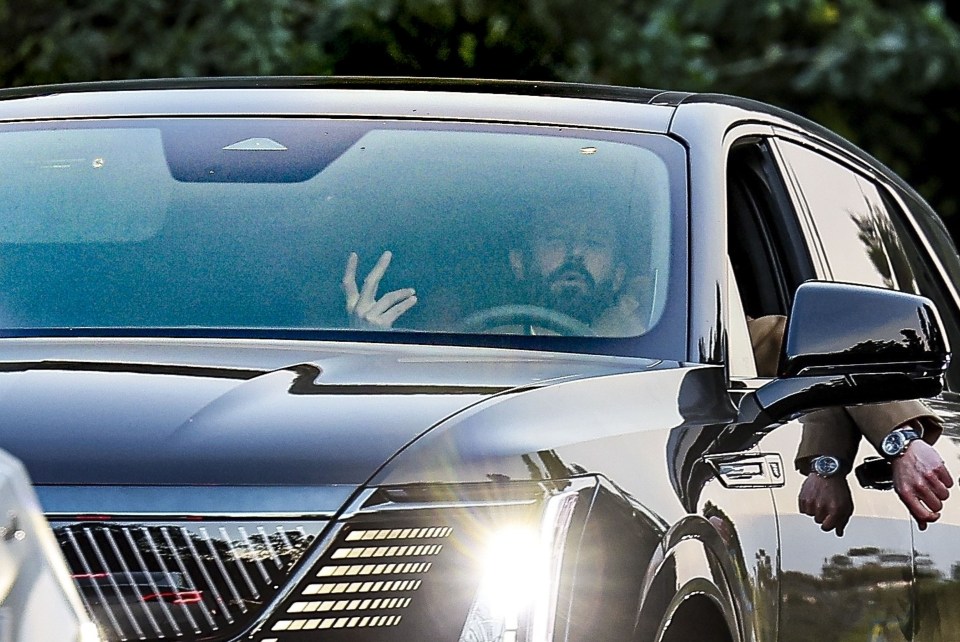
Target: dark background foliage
{"points": [[884, 73]]}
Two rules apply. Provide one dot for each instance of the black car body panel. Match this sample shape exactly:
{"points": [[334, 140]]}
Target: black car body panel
{"points": [[183, 412]]}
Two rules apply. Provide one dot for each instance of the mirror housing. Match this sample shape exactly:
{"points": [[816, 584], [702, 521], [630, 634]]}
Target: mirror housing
{"points": [[851, 344]]}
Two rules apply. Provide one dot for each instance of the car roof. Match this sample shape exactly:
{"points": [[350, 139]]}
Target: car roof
{"points": [[530, 102], [472, 85], [546, 102]]}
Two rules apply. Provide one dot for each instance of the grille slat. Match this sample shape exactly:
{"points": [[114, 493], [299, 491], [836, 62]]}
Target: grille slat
{"points": [[83, 596], [253, 553], [223, 570], [266, 540], [153, 585], [186, 573], [182, 581], [217, 598], [238, 561], [169, 578], [288, 545], [129, 577], [113, 584], [99, 592]]}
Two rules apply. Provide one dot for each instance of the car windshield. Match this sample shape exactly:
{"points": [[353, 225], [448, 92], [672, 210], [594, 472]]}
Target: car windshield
{"points": [[264, 224]]}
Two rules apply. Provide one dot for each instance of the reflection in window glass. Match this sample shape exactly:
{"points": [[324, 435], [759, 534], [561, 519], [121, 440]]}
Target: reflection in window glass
{"points": [[882, 232], [928, 281], [850, 228], [82, 185]]}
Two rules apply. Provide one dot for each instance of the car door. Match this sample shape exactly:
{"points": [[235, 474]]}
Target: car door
{"points": [[894, 242], [935, 262], [854, 586]]}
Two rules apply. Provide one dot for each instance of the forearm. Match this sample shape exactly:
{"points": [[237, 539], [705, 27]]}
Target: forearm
{"points": [[829, 431], [876, 421]]}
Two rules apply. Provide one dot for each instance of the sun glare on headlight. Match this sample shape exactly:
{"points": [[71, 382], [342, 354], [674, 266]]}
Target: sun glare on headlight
{"points": [[519, 571], [512, 572]]}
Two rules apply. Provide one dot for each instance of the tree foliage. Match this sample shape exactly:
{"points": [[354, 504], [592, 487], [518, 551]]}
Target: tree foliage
{"points": [[881, 72]]}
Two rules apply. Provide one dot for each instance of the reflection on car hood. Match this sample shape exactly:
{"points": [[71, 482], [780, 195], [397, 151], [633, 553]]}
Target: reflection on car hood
{"points": [[144, 412]]}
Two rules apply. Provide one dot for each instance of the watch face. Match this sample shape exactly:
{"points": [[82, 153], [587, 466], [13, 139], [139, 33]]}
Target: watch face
{"points": [[826, 466], [893, 443]]}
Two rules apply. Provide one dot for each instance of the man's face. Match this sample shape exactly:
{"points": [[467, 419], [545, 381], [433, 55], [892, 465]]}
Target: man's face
{"points": [[572, 265]]}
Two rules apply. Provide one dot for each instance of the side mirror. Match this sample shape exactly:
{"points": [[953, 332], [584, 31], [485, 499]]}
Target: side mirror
{"points": [[852, 344]]}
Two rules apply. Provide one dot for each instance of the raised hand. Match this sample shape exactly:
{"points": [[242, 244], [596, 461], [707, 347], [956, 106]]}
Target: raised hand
{"points": [[364, 309]]}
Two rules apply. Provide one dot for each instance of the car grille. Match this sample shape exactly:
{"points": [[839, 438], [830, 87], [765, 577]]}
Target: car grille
{"points": [[184, 581]]}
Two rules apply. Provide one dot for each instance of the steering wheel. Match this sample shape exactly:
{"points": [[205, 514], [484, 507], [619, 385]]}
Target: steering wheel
{"points": [[528, 315]]}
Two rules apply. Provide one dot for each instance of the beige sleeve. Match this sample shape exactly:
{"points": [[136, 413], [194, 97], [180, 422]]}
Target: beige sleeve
{"points": [[830, 431], [877, 419], [836, 431]]}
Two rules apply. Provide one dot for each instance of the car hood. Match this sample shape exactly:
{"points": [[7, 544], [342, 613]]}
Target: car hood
{"points": [[244, 412]]}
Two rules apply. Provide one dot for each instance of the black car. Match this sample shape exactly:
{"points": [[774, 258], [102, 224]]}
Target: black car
{"points": [[302, 359]]}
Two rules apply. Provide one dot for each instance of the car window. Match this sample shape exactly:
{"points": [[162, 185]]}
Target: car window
{"points": [[742, 363], [766, 260], [490, 230], [865, 236], [935, 232], [851, 228], [881, 231], [928, 280]]}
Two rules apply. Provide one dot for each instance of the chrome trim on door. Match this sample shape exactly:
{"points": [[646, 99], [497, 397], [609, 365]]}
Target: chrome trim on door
{"points": [[748, 470]]}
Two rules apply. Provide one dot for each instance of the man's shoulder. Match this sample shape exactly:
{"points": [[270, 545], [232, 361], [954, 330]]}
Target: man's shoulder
{"points": [[766, 337]]}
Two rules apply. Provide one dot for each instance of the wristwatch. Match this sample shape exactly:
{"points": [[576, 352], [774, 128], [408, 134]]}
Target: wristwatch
{"points": [[896, 442], [825, 466]]}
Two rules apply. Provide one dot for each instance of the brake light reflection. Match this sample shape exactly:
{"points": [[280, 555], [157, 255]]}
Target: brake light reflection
{"points": [[170, 597], [175, 597]]}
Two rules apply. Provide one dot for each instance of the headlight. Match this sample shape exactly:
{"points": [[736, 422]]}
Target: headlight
{"points": [[520, 576], [478, 563]]}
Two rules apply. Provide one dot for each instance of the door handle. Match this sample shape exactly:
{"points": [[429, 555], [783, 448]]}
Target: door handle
{"points": [[748, 470]]}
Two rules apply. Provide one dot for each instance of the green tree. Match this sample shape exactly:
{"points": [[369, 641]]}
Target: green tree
{"points": [[71, 40]]}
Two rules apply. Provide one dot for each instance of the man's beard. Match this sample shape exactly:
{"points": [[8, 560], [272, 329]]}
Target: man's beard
{"points": [[571, 289]]}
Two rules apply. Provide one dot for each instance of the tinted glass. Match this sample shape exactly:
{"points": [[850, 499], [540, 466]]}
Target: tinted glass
{"points": [[852, 228], [935, 233], [929, 279], [867, 239], [515, 231]]}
